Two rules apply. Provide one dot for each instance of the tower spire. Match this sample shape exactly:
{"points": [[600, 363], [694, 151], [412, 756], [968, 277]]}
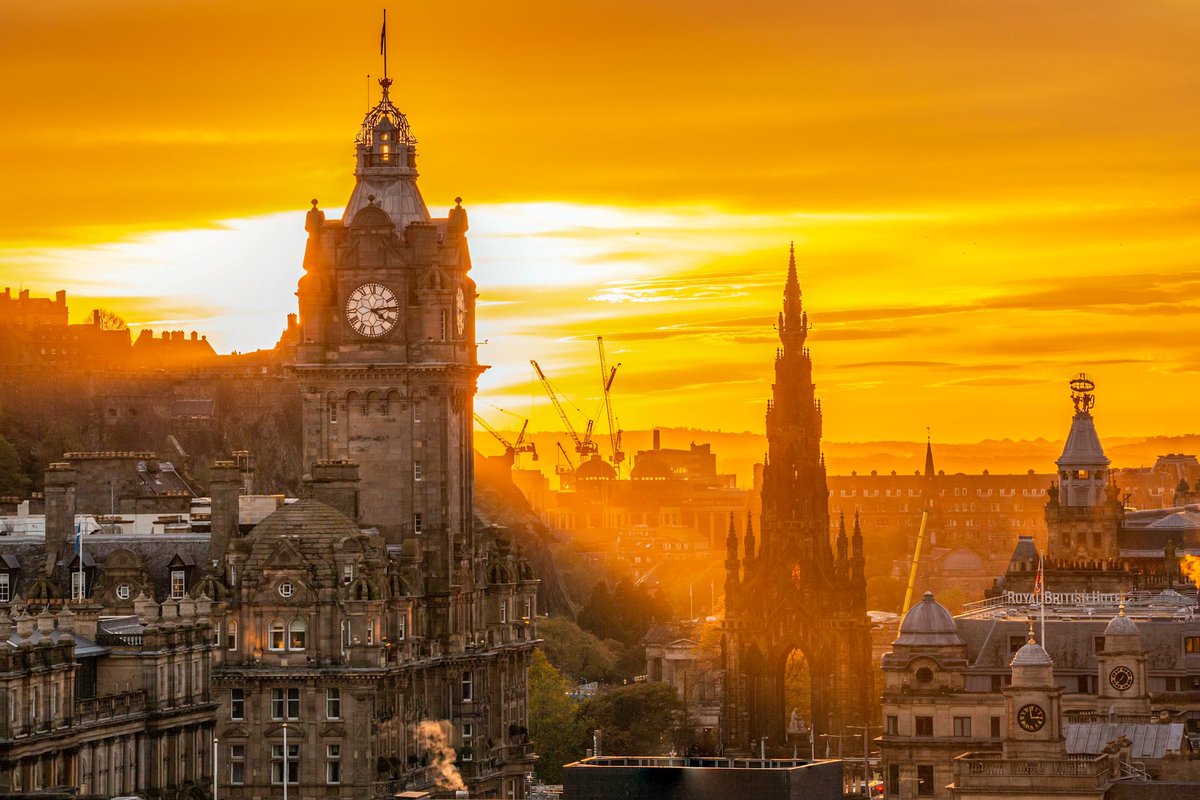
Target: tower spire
{"points": [[386, 81], [928, 454], [793, 321]]}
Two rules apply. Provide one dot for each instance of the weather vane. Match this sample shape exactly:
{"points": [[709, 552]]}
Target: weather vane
{"points": [[1082, 396]]}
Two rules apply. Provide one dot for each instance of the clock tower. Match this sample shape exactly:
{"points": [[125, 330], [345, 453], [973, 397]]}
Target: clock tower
{"points": [[1033, 703], [1122, 665], [386, 355]]}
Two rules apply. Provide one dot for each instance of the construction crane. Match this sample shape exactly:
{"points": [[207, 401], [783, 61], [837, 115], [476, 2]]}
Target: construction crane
{"points": [[569, 469], [583, 446], [511, 449], [606, 380]]}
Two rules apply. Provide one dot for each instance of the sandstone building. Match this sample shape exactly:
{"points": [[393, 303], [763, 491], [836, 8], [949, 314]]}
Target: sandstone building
{"points": [[367, 639]]}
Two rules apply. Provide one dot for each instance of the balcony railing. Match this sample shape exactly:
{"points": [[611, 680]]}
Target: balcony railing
{"points": [[109, 706]]}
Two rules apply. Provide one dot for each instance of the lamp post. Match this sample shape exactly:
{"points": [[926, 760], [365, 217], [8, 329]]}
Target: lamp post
{"points": [[215, 740], [286, 766]]}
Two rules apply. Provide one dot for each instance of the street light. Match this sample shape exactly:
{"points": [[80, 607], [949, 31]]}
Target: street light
{"points": [[285, 762]]}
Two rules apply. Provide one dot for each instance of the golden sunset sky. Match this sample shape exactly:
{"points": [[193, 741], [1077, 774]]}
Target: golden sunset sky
{"points": [[986, 196]]}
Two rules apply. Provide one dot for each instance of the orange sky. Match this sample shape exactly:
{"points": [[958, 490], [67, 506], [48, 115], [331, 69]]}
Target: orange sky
{"points": [[986, 196]]}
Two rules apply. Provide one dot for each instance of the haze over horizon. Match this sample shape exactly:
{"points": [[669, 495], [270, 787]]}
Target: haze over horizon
{"points": [[967, 238]]}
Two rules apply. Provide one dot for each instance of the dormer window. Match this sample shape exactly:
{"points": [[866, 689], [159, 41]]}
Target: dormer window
{"points": [[347, 574], [178, 584], [5, 588]]}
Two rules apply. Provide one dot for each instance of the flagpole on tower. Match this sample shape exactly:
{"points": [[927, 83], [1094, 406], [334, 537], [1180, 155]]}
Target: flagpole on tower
{"points": [[383, 44], [1042, 580]]}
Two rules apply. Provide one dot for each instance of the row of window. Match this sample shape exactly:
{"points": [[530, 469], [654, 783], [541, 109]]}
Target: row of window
{"points": [[285, 704], [923, 726], [365, 409], [237, 764]]}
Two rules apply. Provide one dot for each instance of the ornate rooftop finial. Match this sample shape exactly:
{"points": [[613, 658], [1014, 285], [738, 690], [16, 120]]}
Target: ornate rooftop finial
{"points": [[1082, 393]]}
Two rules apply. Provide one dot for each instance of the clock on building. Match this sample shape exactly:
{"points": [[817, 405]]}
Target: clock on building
{"points": [[371, 310], [1121, 678], [1031, 717]]}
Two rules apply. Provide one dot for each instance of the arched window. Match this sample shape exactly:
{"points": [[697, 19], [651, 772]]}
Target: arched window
{"points": [[275, 641], [296, 634], [231, 635]]}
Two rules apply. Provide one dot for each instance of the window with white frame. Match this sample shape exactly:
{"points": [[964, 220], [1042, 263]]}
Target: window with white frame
{"points": [[416, 470], [333, 764], [78, 585], [468, 687], [231, 635], [124, 591], [401, 626], [237, 704], [504, 609], [5, 587], [285, 703], [275, 636], [297, 634], [237, 764], [347, 574], [333, 704], [178, 584], [528, 608], [468, 736], [277, 764], [417, 524], [370, 631]]}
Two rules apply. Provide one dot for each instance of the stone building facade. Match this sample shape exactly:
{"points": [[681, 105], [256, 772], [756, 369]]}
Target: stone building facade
{"points": [[367, 639], [793, 591]]}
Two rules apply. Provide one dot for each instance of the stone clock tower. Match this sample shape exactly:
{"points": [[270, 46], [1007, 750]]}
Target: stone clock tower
{"points": [[1122, 665], [386, 355], [1033, 703]]}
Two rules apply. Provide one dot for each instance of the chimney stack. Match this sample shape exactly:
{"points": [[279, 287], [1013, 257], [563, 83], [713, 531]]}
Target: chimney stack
{"points": [[657, 440], [335, 483], [60, 511], [224, 489]]}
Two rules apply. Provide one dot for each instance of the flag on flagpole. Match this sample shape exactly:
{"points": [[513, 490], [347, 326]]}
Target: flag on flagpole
{"points": [[1039, 587], [78, 538], [383, 34]]}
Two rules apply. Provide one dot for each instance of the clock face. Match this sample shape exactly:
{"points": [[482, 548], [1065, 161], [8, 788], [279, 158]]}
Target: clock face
{"points": [[460, 311], [371, 310], [1121, 678], [1031, 717]]}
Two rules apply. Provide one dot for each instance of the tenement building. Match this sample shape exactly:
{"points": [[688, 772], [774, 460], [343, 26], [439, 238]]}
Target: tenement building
{"points": [[791, 591], [367, 639]]}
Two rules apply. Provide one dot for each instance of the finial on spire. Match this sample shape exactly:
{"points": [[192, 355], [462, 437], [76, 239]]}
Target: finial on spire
{"points": [[385, 82], [1029, 639], [1083, 393], [1121, 608]]}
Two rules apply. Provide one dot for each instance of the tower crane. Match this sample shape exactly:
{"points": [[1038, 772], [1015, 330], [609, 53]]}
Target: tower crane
{"points": [[511, 449], [583, 446], [569, 469], [606, 380]]}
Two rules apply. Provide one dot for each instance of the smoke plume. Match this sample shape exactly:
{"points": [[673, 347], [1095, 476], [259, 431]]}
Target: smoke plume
{"points": [[432, 736], [1190, 566]]}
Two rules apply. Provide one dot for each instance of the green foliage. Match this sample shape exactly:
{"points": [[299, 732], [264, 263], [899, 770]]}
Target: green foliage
{"points": [[623, 612], [575, 652], [640, 719], [557, 733], [13, 480]]}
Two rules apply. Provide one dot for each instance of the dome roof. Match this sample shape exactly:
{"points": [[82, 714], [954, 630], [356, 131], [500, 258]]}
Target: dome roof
{"points": [[928, 623], [1121, 625], [306, 518], [651, 468], [962, 559], [1032, 655], [595, 469]]}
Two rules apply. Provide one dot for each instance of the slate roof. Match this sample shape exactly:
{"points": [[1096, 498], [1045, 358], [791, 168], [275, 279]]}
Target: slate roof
{"points": [[1148, 741], [305, 517]]}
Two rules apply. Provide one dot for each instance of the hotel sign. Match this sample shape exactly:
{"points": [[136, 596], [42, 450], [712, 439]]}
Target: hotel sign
{"points": [[1063, 598]]}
